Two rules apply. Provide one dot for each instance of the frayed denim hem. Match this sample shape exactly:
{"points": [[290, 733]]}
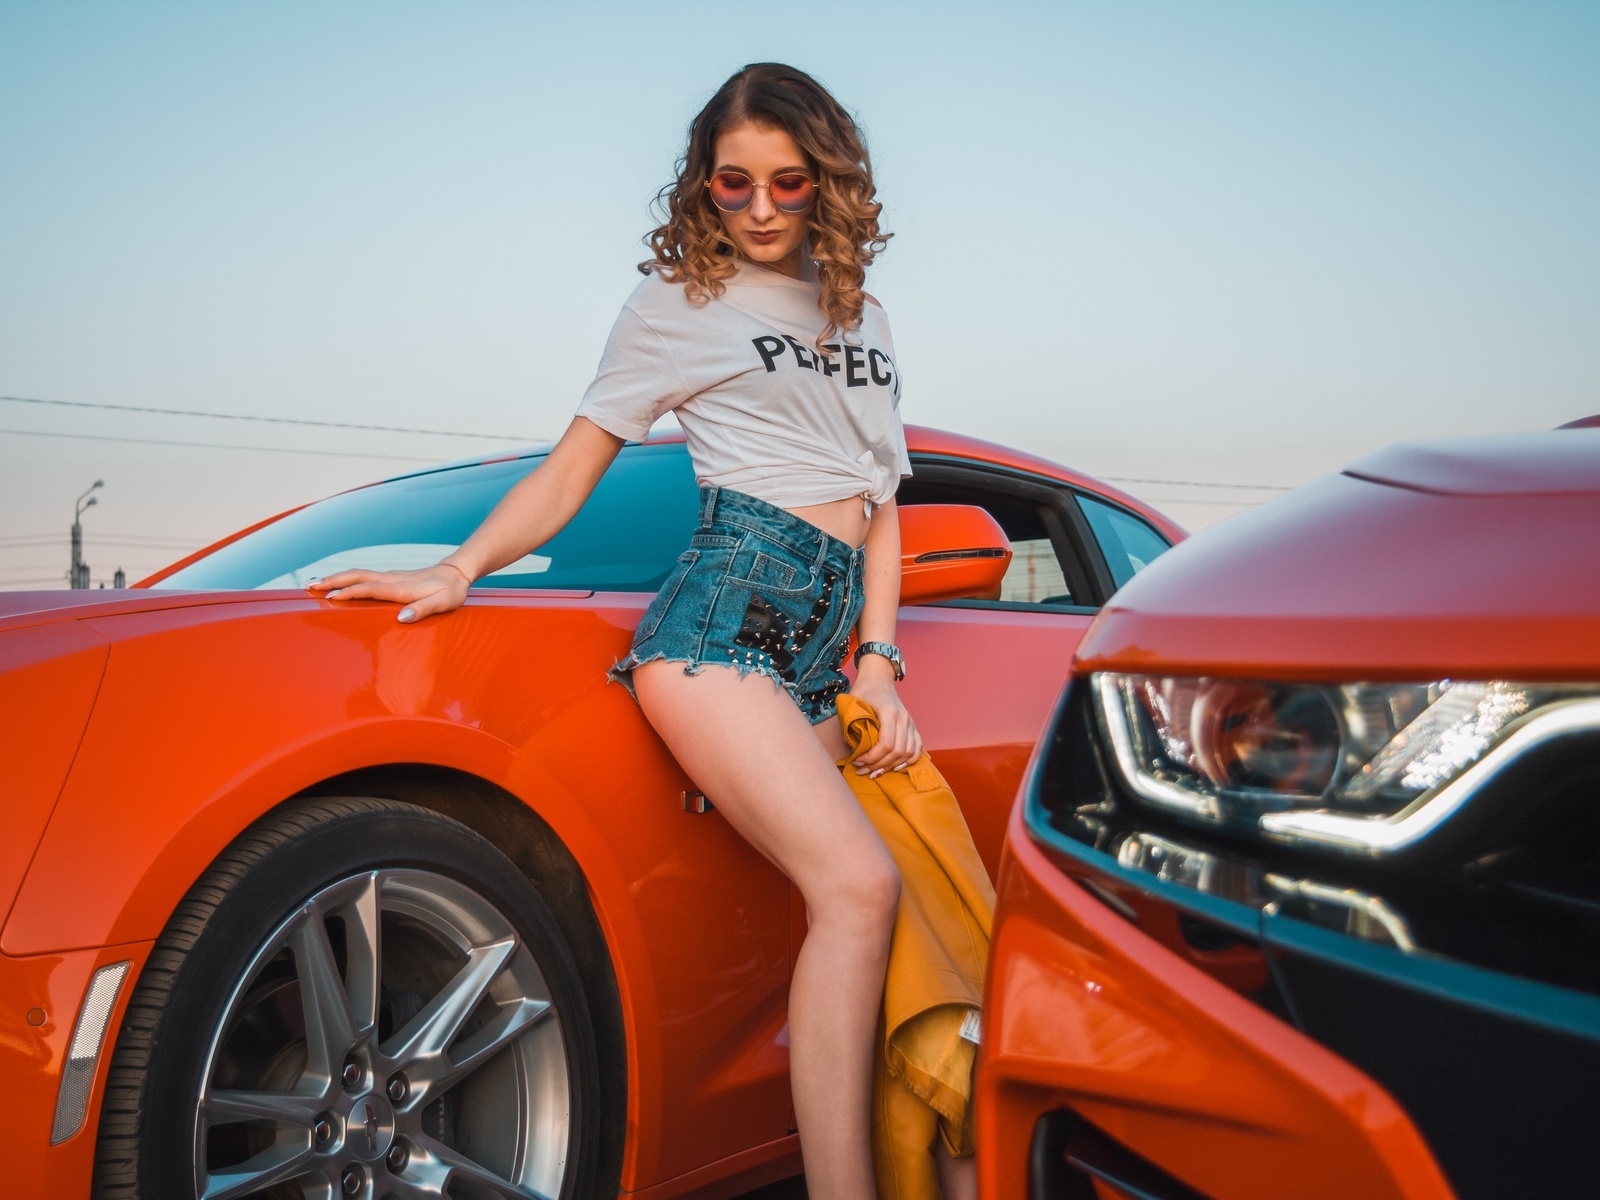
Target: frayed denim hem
{"points": [[622, 672]]}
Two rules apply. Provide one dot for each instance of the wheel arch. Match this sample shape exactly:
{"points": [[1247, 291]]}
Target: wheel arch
{"points": [[150, 848]]}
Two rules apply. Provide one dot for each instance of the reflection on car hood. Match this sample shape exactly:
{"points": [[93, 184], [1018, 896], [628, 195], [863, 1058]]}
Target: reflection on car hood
{"points": [[19, 610], [14, 604], [1554, 463]]}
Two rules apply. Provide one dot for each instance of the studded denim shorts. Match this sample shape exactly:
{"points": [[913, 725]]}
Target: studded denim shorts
{"points": [[761, 591]]}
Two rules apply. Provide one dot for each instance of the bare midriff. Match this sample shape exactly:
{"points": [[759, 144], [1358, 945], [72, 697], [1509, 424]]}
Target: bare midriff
{"points": [[843, 519]]}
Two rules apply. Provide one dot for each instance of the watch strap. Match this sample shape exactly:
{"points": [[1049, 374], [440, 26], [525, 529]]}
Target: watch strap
{"points": [[883, 650]]}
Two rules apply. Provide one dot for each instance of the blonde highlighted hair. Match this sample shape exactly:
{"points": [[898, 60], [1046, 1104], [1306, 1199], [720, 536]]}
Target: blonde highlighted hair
{"points": [[842, 234]]}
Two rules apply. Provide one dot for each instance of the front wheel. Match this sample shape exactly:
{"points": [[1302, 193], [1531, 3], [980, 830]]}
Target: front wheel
{"points": [[360, 998]]}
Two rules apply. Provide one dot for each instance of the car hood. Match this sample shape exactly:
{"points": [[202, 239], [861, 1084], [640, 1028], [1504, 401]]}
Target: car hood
{"points": [[1467, 559], [21, 609]]}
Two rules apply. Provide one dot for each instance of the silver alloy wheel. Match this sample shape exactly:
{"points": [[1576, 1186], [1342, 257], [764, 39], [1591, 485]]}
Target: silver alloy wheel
{"points": [[392, 1037]]}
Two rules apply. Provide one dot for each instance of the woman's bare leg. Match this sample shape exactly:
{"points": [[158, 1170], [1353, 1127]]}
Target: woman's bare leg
{"points": [[958, 1177], [747, 746]]}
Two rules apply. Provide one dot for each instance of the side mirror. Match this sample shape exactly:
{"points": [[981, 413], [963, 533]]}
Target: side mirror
{"points": [[950, 552]]}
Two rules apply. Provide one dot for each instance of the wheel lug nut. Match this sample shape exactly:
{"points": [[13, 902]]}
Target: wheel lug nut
{"points": [[350, 1182], [322, 1130], [350, 1076], [397, 1157], [398, 1088]]}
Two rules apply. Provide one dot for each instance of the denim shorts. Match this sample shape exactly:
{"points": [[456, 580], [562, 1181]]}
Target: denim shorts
{"points": [[761, 591]]}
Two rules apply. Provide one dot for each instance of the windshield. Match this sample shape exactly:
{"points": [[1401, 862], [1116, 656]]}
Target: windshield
{"points": [[625, 538]]}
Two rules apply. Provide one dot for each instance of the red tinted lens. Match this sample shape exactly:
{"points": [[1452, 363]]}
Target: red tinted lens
{"points": [[792, 192], [731, 192]]}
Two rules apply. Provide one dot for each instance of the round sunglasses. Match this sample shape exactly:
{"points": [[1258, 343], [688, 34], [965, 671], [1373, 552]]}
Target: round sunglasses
{"points": [[732, 191]]}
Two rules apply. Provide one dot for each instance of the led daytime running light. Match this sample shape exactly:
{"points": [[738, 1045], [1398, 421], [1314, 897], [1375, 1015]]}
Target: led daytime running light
{"points": [[1290, 758]]}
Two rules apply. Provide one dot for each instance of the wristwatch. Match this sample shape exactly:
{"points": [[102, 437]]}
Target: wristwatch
{"points": [[884, 650]]}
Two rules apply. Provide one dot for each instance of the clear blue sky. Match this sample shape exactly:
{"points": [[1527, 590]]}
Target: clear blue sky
{"points": [[1221, 241]]}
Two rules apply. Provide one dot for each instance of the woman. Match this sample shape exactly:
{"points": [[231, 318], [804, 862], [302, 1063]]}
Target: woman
{"points": [[752, 325]]}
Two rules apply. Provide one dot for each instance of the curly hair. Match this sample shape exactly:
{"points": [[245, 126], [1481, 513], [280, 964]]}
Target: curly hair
{"points": [[842, 234]]}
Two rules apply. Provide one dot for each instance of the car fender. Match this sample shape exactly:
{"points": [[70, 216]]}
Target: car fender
{"points": [[191, 760], [48, 682], [209, 717]]}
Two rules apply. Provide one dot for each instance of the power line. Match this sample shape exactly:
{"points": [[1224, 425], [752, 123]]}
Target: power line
{"points": [[19, 538], [100, 549], [1191, 500], [500, 437], [218, 416], [140, 543], [98, 437], [1254, 487]]}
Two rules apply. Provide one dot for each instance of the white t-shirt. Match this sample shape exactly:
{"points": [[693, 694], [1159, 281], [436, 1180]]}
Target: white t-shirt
{"points": [[762, 411]]}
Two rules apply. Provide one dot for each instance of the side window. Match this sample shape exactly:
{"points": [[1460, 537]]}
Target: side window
{"points": [[1035, 575], [1128, 544], [1046, 568]]}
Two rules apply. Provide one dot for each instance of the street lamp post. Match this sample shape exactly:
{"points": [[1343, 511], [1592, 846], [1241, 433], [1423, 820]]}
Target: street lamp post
{"points": [[78, 573]]}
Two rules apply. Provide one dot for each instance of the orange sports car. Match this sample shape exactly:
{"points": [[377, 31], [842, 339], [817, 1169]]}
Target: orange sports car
{"points": [[1302, 896], [302, 902]]}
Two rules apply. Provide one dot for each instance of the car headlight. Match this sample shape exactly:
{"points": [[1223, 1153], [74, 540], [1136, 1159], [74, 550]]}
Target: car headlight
{"points": [[1343, 764]]}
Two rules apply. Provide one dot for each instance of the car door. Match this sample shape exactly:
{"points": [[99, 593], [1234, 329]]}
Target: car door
{"points": [[714, 913], [982, 675], [711, 914]]}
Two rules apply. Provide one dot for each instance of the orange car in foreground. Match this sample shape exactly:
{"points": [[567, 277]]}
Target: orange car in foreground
{"points": [[302, 902], [1302, 896]]}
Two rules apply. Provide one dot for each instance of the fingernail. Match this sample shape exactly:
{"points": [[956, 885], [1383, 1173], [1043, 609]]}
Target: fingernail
{"points": [[876, 773], [407, 614], [314, 579], [333, 595]]}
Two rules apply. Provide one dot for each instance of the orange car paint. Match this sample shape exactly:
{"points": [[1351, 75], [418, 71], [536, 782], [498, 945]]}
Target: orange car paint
{"points": [[1415, 564], [57, 671], [49, 988], [982, 724], [1148, 1048], [334, 691], [931, 534], [178, 758], [1525, 610]]}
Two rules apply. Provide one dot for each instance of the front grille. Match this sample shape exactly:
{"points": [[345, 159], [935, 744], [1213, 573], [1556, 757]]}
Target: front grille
{"points": [[1069, 1156]]}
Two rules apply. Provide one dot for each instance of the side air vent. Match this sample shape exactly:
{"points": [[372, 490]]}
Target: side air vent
{"points": [[952, 555]]}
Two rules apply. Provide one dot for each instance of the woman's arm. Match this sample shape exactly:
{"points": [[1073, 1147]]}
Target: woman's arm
{"points": [[528, 516], [898, 741]]}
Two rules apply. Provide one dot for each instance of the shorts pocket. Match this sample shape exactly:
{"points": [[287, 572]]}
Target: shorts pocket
{"points": [[767, 571], [773, 576]]}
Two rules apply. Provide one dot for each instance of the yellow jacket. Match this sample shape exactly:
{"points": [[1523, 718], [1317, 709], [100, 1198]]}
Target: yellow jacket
{"points": [[922, 1083]]}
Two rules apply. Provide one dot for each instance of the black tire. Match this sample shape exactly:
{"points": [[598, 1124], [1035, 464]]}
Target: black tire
{"points": [[238, 949]]}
